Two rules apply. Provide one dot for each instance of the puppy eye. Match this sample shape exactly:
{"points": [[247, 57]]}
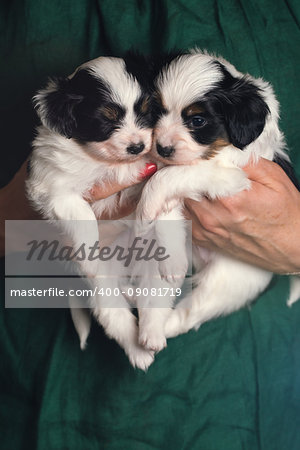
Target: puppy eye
{"points": [[197, 122]]}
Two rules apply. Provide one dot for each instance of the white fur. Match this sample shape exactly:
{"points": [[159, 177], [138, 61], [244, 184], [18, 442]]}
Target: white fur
{"points": [[62, 173], [221, 284]]}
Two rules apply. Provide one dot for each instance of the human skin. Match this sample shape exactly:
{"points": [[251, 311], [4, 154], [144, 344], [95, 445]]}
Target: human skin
{"points": [[14, 204], [260, 226]]}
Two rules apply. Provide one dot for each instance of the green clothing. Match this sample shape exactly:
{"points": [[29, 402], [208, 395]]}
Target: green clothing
{"points": [[234, 384]]}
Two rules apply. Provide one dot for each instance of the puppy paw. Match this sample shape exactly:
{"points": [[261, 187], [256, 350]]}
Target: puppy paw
{"points": [[294, 290], [173, 270], [291, 301], [140, 357], [152, 340], [229, 181], [243, 183]]}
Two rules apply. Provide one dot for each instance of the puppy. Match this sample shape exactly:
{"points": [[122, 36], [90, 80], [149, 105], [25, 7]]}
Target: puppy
{"points": [[212, 120], [96, 129]]}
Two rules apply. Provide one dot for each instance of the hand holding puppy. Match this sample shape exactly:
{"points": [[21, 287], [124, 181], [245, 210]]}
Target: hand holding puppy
{"points": [[260, 226]]}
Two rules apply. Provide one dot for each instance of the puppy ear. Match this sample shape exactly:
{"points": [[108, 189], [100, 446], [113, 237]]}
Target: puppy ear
{"points": [[55, 106], [243, 109]]}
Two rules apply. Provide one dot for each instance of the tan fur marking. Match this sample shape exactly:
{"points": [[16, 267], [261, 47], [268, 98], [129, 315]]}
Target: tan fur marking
{"points": [[159, 100], [110, 113], [145, 105], [194, 109], [215, 148]]}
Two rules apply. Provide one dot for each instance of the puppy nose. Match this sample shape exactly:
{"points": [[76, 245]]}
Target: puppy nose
{"points": [[165, 151], [135, 149]]}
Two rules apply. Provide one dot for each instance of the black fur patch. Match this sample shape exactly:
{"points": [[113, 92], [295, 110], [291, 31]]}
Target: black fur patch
{"points": [[59, 105], [239, 104], [213, 127], [289, 170], [139, 66], [74, 109], [157, 107]]}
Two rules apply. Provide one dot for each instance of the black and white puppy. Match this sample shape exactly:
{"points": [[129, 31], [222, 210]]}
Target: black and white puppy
{"points": [[96, 129], [212, 120]]}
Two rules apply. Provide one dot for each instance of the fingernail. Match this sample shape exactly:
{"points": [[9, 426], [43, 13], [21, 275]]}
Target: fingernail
{"points": [[149, 169]]}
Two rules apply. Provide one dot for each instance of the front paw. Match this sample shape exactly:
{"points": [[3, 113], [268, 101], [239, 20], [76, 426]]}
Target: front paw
{"points": [[228, 182], [174, 269], [242, 182]]}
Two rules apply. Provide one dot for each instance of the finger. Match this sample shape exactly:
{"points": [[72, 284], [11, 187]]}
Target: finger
{"points": [[199, 234], [119, 213], [99, 192], [187, 214], [193, 205], [205, 209], [263, 172]]}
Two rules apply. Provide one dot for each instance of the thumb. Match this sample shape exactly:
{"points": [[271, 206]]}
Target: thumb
{"points": [[99, 192], [261, 172]]}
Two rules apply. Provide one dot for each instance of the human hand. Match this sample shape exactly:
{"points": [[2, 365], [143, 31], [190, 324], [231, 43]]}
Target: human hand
{"points": [[260, 226], [100, 192], [14, 204]]}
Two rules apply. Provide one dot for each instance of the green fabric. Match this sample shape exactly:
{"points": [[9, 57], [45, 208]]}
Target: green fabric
{"points": [[234, 384]]}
